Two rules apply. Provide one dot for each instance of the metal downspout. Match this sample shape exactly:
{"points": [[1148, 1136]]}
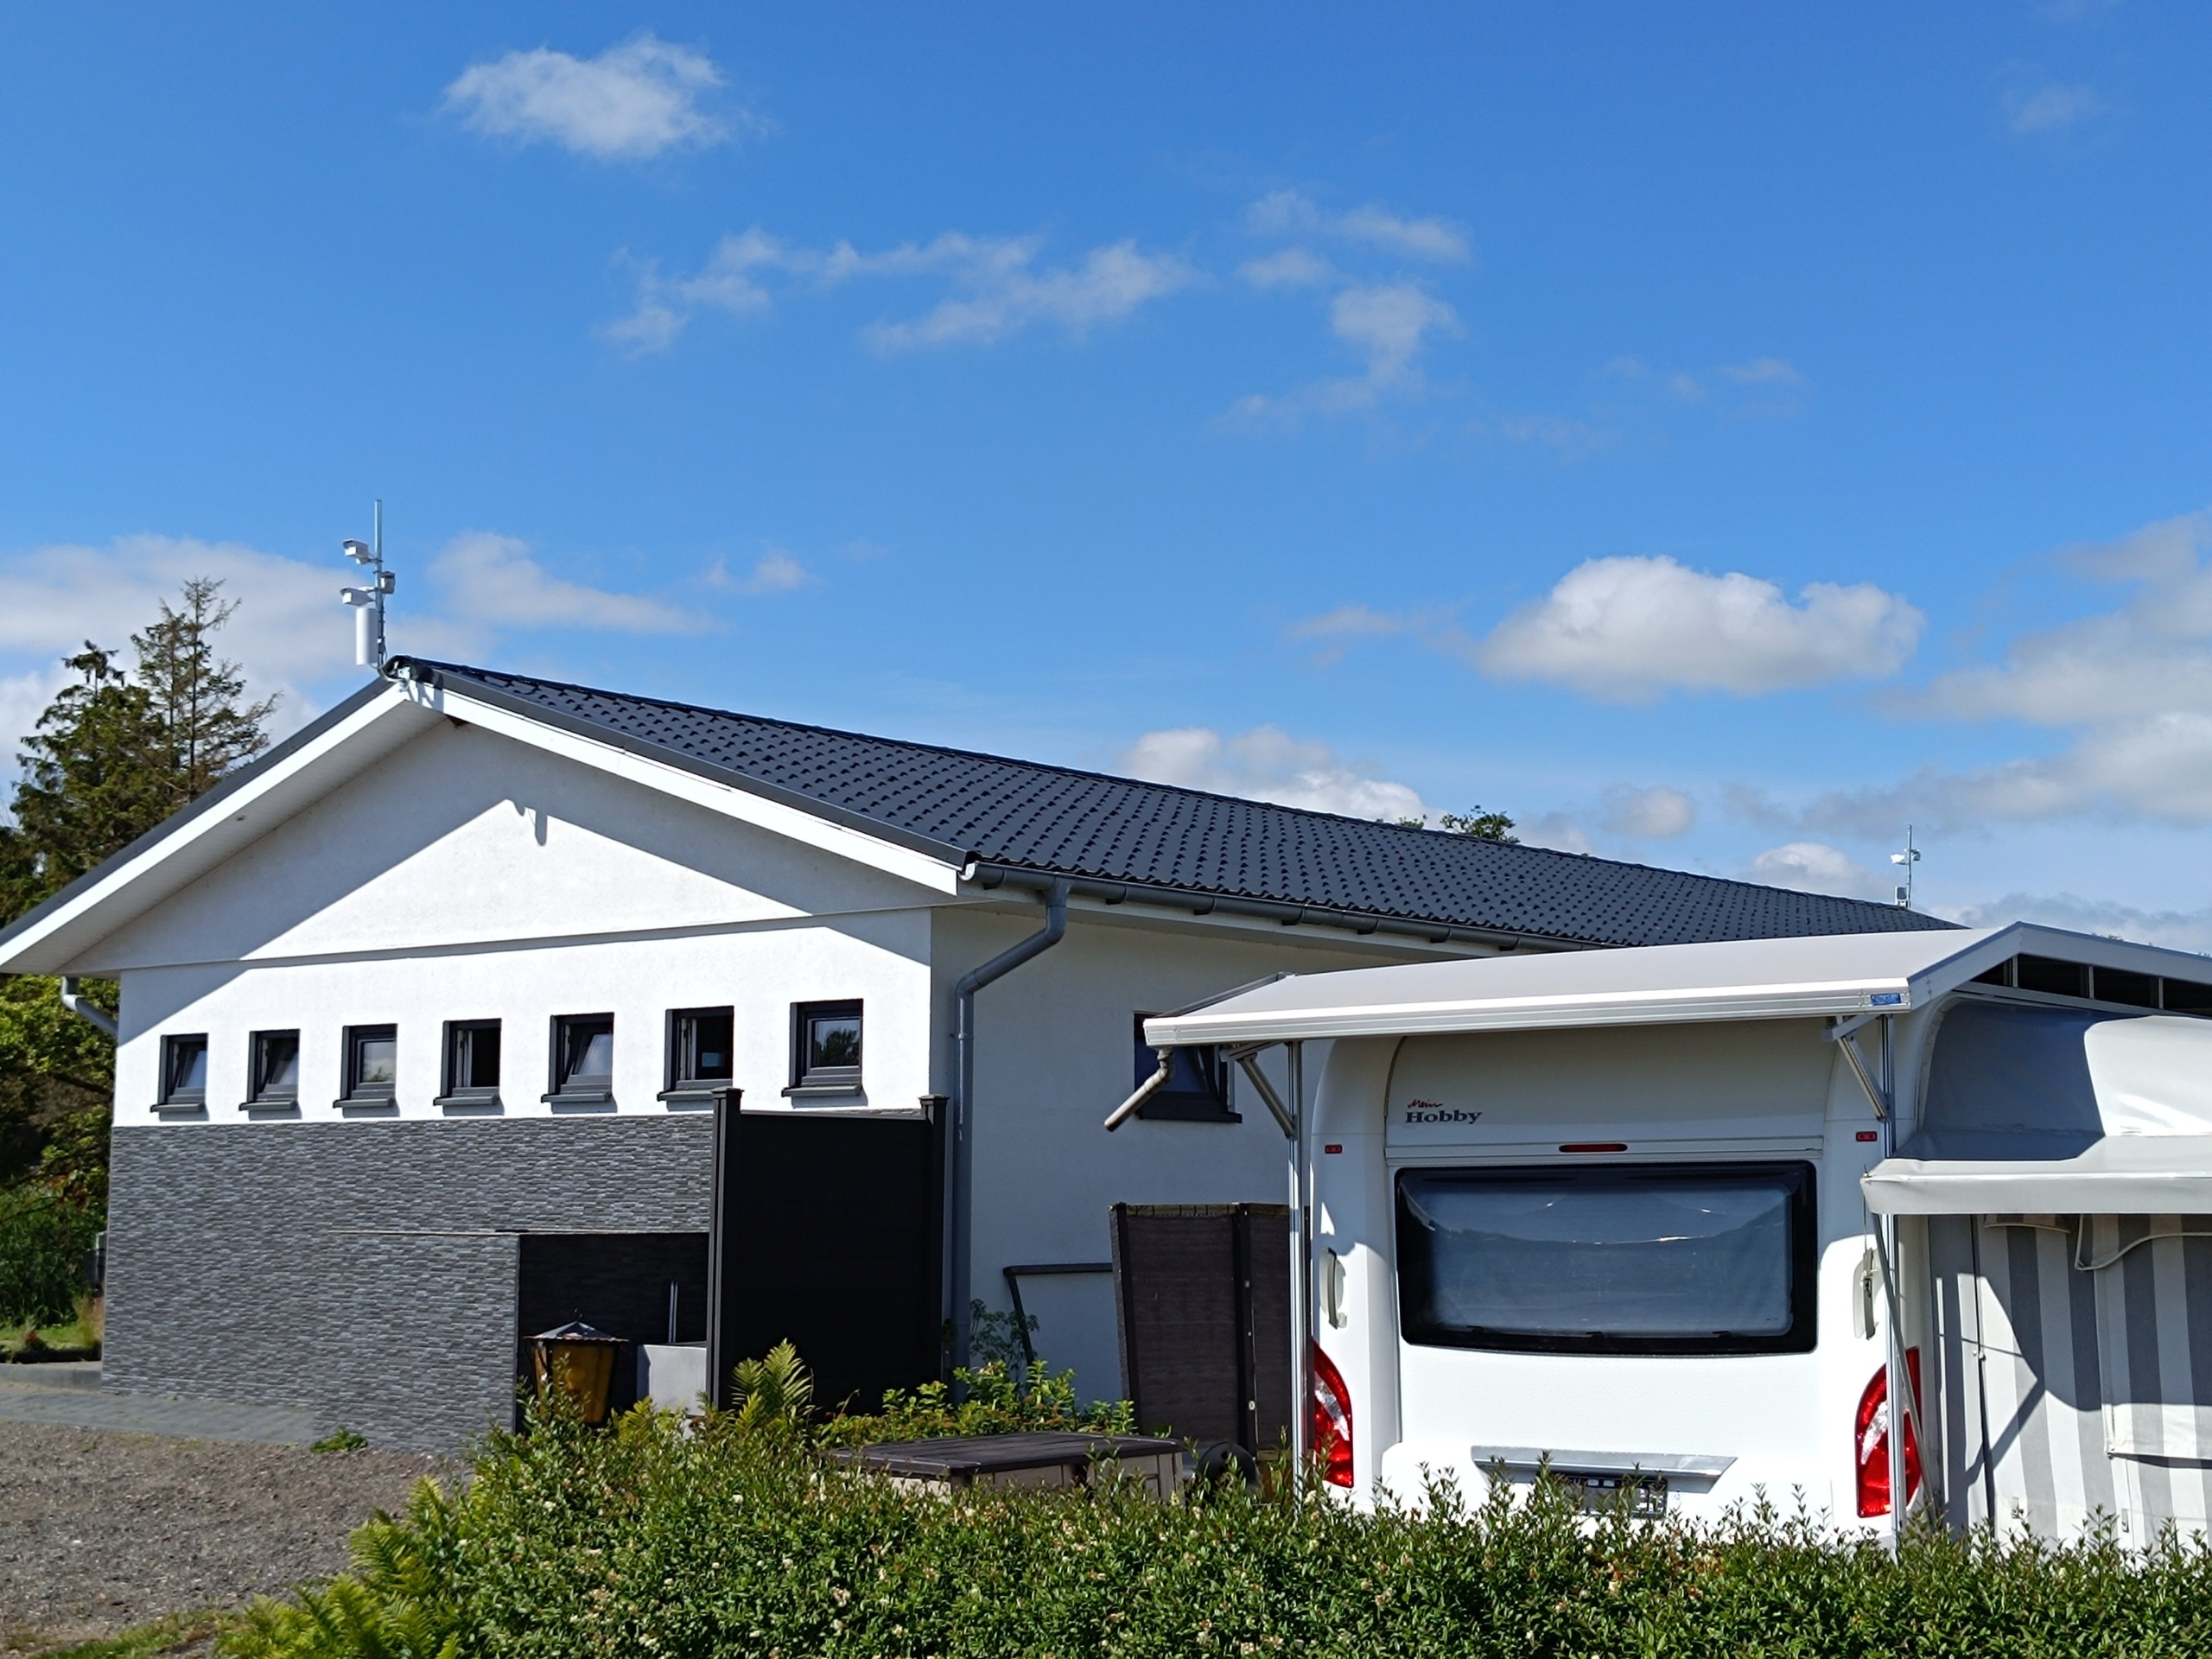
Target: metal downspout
{"points": [[99, 1019], [960, 1165]]}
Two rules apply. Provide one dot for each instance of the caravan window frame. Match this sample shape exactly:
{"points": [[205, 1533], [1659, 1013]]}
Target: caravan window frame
{"points": [[1799, 1338]]}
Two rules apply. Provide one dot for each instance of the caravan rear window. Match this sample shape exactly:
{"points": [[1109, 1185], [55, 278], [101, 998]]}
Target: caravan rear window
{"points": [[1610, 1259]]}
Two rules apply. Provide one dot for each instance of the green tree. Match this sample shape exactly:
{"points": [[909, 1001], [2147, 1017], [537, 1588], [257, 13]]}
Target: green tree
{"points": [[96, 777], [1483, 826], [111, 756], [194, 695]]}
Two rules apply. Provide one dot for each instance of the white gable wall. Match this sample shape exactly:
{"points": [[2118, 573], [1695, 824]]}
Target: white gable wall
{"points": [[470, 878]]}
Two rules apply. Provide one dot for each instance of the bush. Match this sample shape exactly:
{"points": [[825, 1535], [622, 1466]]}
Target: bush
{"points": [[43, 1238], [649, 1540]]}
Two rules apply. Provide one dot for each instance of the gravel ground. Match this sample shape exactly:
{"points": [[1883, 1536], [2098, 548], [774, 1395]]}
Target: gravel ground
{"points": [[100, 1531]]}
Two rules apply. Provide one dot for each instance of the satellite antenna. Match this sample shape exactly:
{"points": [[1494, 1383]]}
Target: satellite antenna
{"points": [[368, 603], [1909, 857]]}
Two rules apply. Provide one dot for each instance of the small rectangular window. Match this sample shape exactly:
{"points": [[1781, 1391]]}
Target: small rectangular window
{"points": [[699, 1059], [1197, 1090], [371, 1063], [826, 1047], [583, 1056], [184, 1070], [471, 1060], [274, 1077]]}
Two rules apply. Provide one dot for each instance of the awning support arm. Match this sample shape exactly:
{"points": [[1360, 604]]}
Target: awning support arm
{"points": [[1244, 1057], [1846, 1038]]}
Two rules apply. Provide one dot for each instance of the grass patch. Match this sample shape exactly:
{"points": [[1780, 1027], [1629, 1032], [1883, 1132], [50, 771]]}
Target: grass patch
{"points": [[78, 1338], [161, 1636], [340, 1439]]}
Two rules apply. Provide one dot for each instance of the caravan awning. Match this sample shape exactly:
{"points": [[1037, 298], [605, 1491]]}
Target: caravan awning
{"points": [[2057, 1112], [2119, 1175]]}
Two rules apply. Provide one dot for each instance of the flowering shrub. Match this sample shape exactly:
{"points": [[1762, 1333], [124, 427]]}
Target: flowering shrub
{"points": [[646, 1540]]}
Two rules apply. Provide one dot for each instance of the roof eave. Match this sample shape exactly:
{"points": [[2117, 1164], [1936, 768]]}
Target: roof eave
{"points": [[52, 935]]}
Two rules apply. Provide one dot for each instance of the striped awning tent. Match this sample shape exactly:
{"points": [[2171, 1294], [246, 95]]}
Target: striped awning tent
{"points": [[2065, 1166]]}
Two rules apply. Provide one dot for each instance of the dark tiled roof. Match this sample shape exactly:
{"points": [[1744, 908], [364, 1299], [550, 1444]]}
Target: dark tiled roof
{"points": [[1056, 821]]}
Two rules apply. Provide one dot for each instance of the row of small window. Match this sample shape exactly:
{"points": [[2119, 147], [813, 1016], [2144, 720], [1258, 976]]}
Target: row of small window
{"points": [[825, 1058]]}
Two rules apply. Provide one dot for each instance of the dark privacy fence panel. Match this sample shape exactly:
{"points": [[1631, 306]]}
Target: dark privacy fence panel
{"points": [[1203, 1295], [829, 1237], [367, 1272]]}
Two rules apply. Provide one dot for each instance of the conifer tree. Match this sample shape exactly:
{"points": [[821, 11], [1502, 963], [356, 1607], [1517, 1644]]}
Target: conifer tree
{"points": [[112, 756]]}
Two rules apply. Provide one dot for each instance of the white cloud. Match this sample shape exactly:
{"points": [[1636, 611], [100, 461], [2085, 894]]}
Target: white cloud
{"points": [[1814, 866], [1387, 324], [1655, 814], [1557, 831], [1292, 212], [1291, 267], [630, 102], [1627, 629], [1007, 296], [1764, 371], [289, 631], [492, 580], [23, 698], [2176, 929], [1266, 764], [1349, 619], [1570, 440], [775, 571], [2131, 689], [2049, 109], [998, 289]]}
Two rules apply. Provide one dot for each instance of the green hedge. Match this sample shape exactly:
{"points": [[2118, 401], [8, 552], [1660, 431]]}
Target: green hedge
{"points": [[644, 1541], [43, 1239]]}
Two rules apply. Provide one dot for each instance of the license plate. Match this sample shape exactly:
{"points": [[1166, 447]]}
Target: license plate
{"points": [[1601, 1493]]}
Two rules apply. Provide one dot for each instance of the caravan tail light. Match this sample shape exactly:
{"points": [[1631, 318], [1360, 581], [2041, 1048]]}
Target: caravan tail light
{"points": [[1330, 1433], [1871, 1439]]}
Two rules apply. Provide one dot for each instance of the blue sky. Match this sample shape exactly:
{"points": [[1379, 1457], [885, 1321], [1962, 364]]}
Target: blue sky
{"points": [[1717, 438]]}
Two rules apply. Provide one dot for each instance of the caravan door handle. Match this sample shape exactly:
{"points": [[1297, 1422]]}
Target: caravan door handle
{"points": [[1333, 1289]]}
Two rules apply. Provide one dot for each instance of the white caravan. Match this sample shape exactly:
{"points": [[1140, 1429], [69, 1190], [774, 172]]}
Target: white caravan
{"points": [[1683, 1219]]}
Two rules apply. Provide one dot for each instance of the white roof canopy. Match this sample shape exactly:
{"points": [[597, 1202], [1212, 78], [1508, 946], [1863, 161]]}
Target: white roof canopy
{"points": [[1744, 979], [2035, 1107]]}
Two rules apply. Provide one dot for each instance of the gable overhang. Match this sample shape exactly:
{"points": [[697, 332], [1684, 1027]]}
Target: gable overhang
{"points": [[1837, 975], [60, 935], [329, 752]]}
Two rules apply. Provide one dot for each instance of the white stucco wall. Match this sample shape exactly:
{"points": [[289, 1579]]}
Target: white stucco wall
{"points": [[1056, 1053], [469, 876]]}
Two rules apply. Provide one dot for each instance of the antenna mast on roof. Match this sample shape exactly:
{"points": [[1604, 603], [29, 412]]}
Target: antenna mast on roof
{"points": [[1909, 857], [368, 603]]}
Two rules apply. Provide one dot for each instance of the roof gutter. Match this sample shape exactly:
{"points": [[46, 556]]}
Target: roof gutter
{"points": [[991, 877]]}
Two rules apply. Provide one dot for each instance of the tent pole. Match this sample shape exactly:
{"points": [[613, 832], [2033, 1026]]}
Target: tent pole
{"points": [[1301, 1363]]}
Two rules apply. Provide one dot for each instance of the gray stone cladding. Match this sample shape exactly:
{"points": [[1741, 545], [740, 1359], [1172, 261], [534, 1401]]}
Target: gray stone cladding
{"points": [[364, 1272]]}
